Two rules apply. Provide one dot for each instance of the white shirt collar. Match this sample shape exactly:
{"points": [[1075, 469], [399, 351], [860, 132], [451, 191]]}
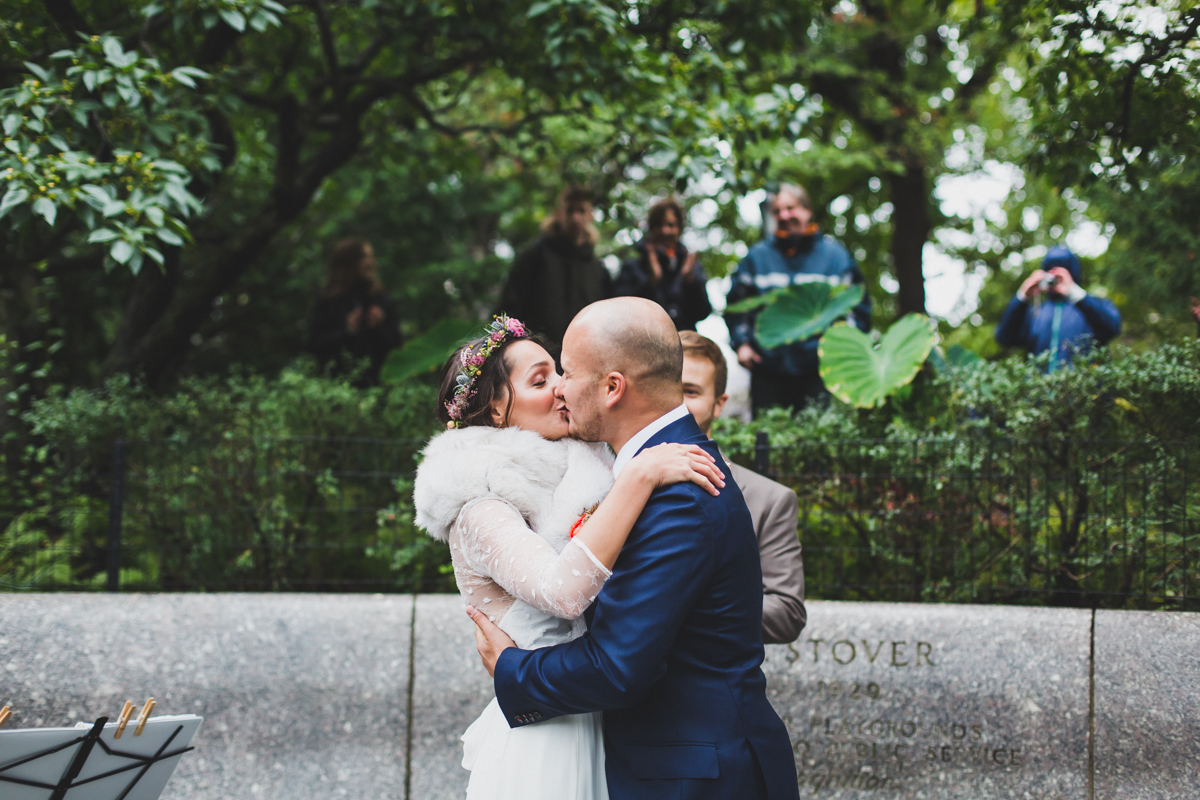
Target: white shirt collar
{"points": [[645, 434]]}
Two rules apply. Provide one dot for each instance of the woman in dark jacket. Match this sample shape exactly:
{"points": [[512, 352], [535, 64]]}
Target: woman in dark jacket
{"points": [[353, 318], [664, 271]]}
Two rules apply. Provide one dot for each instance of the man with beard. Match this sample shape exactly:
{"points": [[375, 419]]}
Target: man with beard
{"points": [[674, 651], [559, 274], [798, 253]]}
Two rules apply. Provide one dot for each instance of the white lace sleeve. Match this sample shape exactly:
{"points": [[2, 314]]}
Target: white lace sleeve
{"points": [[493, 540]]}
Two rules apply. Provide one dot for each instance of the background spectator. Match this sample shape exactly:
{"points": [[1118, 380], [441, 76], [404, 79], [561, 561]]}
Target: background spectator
{"points": [[664, 271], [353, 318], [559, 274], [799, 253], [1069, 319], [772, 505]]}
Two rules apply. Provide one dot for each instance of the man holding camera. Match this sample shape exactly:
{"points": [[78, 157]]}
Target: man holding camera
{"points": [[1066, 321]]}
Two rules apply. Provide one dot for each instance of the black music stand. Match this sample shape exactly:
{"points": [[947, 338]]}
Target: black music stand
{"points": [[88, 763]]}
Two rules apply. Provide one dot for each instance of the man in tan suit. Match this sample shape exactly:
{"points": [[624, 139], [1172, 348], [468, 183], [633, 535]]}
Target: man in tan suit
{"points": [[773, 506]]}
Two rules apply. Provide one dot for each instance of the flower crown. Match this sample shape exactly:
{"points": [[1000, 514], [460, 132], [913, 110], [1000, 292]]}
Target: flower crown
{"points": [[471, 364]]}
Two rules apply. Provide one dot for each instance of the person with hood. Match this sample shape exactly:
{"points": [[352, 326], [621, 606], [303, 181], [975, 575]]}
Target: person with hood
{"points": [[799, 253], [1067, 320], [559, 274], [664, 271]]}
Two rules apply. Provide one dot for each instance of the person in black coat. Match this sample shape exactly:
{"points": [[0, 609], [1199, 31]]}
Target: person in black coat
{"points": [[664, 271], [353, 318], [556, 276]]}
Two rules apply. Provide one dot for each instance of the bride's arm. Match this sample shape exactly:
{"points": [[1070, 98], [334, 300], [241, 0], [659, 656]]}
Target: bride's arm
{"points": [[605, 532], [494, 539]]}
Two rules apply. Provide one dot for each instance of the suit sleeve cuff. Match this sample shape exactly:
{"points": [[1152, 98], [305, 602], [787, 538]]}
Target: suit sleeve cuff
{"points": [[1022, 297], [1075, 294]]}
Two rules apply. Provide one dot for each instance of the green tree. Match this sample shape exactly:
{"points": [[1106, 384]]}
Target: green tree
{"points": [[447, 126], [878, 91], [1115, 99]]}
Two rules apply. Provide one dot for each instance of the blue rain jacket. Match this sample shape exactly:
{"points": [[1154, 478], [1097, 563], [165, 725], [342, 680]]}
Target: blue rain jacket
{"points": [[1056, 324]]}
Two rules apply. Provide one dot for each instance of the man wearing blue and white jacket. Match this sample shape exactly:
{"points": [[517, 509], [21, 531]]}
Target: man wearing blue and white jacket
{"points": [[799, 253], [1067, 322]]}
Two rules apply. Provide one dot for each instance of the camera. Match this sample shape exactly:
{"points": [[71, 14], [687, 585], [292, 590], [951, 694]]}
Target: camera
{"points": [[1048, 282]]}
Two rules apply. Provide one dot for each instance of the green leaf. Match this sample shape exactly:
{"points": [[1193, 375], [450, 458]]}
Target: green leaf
{"points": [[233, 19], [103, 235], [121, 251], [95, 195], [756, 302], [864, 376], [167, 236], [113, 50], [38, 71], [803, 311], [44, 207], [959, 357], [12, 199], [12, 123], [428, 351]]}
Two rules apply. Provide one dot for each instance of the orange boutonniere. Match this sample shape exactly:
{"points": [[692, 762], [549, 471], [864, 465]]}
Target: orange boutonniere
{"points": [[578, 526]]}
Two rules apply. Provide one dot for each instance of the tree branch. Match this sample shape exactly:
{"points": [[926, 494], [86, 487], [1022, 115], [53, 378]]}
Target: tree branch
{"points": [[325, 33]]}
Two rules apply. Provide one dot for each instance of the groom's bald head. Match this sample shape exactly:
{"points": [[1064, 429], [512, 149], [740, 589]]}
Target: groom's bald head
{"points": [[632, 336]]}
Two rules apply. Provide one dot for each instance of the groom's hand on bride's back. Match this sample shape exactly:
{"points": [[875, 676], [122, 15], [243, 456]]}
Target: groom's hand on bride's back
{"points": [[490, 641]]}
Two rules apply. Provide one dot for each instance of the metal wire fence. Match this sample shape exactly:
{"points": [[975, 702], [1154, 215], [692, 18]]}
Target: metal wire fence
{"points": [[265, 514], [1061, 522], [1091, 523]]}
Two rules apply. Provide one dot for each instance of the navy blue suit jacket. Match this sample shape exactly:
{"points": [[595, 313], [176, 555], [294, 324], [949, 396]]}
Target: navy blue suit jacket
{"points": [[672, 656]]}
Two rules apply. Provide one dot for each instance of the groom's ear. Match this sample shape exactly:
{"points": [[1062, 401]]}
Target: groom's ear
{"points": [[615, 387]]}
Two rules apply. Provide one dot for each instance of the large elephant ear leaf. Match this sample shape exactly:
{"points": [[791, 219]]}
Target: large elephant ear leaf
{"points": [[862, 375], [428, 351], [754, 303], [803, 311]]}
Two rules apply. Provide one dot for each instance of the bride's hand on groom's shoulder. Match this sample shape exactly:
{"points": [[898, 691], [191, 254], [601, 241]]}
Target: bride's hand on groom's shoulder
{"points": [[670, 463]]}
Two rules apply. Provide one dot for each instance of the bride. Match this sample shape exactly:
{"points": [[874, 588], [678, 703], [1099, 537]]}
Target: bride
{"points": [[535, 524]]}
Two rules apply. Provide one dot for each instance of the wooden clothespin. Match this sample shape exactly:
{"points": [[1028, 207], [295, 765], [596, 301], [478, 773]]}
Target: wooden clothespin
{"points": [[5, 713], [123, 720], [145, 715]]}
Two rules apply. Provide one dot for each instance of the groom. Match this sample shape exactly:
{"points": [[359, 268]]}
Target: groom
{"points": [[673, 650]]}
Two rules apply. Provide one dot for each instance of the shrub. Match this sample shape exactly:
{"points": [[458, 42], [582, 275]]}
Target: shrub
{"points": [[994, 481], [241, 482]]}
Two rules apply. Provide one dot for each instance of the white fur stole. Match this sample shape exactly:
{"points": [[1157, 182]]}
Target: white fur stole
{"points": [[550, 483]]}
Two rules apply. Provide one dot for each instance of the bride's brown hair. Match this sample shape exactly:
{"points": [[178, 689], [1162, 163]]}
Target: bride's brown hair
{"points": [[493, 378]]}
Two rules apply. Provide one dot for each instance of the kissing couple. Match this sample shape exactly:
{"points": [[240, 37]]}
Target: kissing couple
{"points": [[617, 602]]}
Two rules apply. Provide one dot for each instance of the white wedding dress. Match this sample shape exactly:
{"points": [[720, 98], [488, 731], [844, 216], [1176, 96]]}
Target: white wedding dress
{"points": [[537, 596]]}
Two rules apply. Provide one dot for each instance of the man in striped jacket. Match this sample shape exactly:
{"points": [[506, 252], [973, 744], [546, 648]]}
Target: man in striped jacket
{"points": [[798, 253]]}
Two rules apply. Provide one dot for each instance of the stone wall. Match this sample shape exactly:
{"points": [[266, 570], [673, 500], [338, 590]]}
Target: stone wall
{"points": [[319, 696]]}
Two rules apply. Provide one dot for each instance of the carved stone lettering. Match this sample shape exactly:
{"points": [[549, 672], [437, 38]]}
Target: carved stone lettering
{"points": [[939, 702], [844, 651]]}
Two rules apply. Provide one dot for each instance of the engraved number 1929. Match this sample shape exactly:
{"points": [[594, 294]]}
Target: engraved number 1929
{"points": [[853, 691]]}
